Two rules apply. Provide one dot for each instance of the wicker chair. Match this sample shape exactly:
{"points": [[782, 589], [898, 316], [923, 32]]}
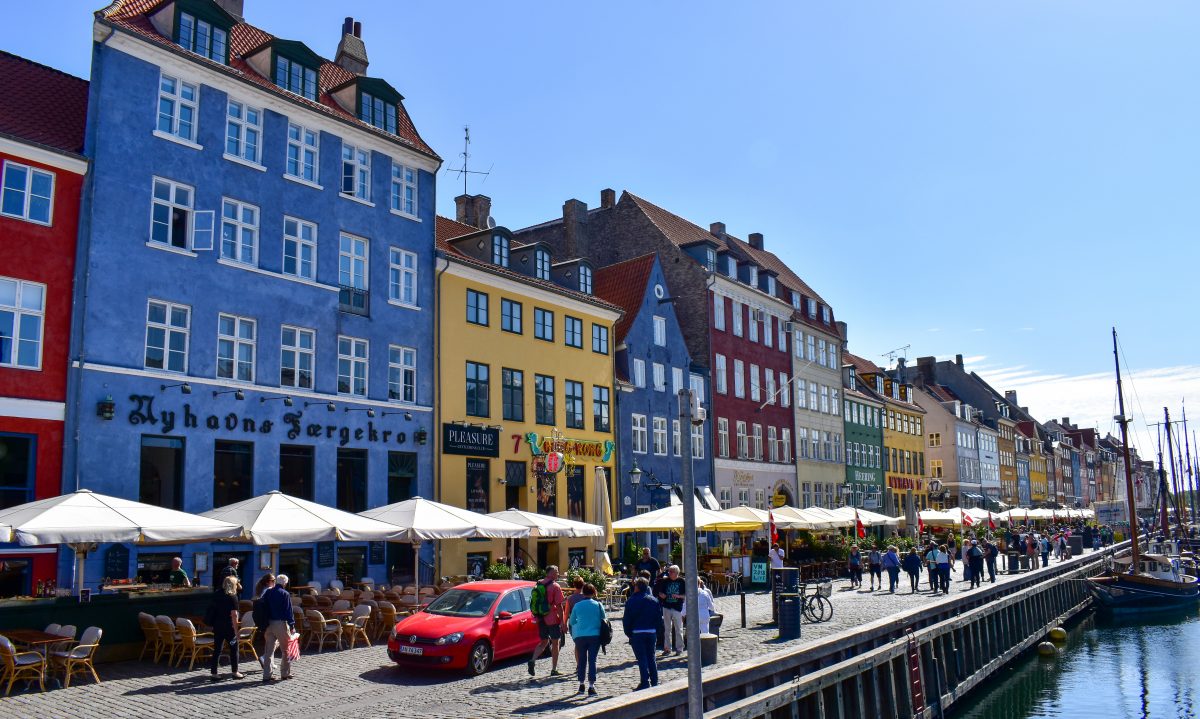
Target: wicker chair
{"points": [[387, 620], [357, 626], [322, 629], [67, 631], [341, 605], [308, 601], [245, 606], [149, 634], [20, 665], [245, 636], [336, 584], [324, 602], [168, 639], [193, 644], [79, 659]]}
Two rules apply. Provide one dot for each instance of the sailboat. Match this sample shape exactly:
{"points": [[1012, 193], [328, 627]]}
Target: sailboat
{"points": [[1144, 581]]}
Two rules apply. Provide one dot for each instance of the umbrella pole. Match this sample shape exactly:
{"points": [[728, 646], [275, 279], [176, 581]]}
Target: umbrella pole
{"points": [[417, 573], [80, 556]]}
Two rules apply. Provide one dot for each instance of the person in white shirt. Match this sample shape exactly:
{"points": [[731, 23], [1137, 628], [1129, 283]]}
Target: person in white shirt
{"points": [[704, 604], [776, 555]]}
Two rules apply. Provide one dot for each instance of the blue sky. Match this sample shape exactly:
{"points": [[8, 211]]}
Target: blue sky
{"points": [[1001, 180]]}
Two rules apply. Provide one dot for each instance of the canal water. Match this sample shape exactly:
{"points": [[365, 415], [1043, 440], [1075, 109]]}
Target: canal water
{"points": [[1107, 668]]}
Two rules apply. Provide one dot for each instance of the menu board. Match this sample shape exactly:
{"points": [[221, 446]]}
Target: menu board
{"points": [[326, 556], [116, 562]]}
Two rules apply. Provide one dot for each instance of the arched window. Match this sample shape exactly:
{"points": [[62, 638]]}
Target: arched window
{"points": [[542, 265], [585, 279], [500, 250]]}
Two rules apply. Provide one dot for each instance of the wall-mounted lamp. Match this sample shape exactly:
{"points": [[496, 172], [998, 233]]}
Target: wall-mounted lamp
{"points": [[106, 408], [184, 387], [407, 415], [421, 436], [237, 393], [287, 401], [370, 412], [328, 405]]}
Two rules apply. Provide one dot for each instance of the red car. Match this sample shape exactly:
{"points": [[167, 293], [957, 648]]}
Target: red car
{"points": [[468, 627]]}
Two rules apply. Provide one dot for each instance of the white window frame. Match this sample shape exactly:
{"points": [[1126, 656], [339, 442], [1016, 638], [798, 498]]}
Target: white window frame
{"points": [[697, 441], [235, 341], [404, 181], [677, 438], [306, 146], [168, 329], [769, 378], [244, 131], [785, 443], [785, 391], [821, 355], [26, 191], [722, 437], [660, 331], [639, 373], [743, 441], [637, 425], [357, 265], [772, 445], [173, 204], [402, 374], [755, 384], [354, 360], [19, 312], [180, 97], [676, 380], [300, 236], [402, 277], [824, 399], [356, 173], [753, 329], [725, 494], [757, 436], [721, 375], [660, 436], [739, 379], [298, 351], [801, 393], [660, 377], [737, 318], [244, 226], [768, 332], [718, 312]]}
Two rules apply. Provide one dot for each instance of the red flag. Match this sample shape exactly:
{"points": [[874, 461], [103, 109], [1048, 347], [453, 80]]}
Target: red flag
{"points": [[774, 532], [967, 520], [1026, 516], [920, 524], [1054, 516], [860, 529], [991, 524]]}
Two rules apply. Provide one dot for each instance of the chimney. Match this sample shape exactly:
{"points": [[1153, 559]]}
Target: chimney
{"points": [[1066, 422], [351, 51], [575, 219], [608, 197], [717, 228], [926, 370], [756, 240], [473, 210], [842, 330], [1011, 396], [958, 361], [233, 7]]}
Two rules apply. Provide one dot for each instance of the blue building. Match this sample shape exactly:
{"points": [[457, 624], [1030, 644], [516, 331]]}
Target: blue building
{"points": [[652, 365], [254, 299]]}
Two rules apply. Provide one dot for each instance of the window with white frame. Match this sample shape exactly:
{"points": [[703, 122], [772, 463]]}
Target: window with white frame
{"points": [[676, 438], [785, 391], [758, 442], [710, 259], [724, 497], [768, 332], [639, 373], [798, 344], [585, 279], [168, 327], [404, 189], [697, 441], [203, 38], [402, 276], [722, 437], [812, 396], [243, 132], [824, 399], [297, 357], [299, 248], [720, 377], [811, 353], [802, 442], [402, 373], [814, 444], [785, 444], [770, 378], [753, 325], [739, 379], [833, 355], [660, 331], [782, 338], [743, 497], [239, 231], [638, 426], [743, 442], [760, 498], [753, 275], [356, 172], [772, 445], [771, 285], [171, 214], [660, 378], [802, 393], [833, 400], [177, 108], [660, 436], [718, 312], [352, 262], [755, 387], [235, 347], [541, 265], [303, 153], [676, 380], [731, 266], [737, 318], [821, 356], [352, 366], [28, 193]]}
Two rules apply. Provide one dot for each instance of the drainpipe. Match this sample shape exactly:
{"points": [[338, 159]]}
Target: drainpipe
{"points": [[437, 404]]}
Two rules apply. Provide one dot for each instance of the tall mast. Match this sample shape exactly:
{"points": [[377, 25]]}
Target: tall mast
{"points": [[1164, 495], [1177, 504], [1190, 483], [1129, 493]]}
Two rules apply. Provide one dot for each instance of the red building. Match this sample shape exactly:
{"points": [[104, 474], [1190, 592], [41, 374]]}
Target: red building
{"points": [[42, 115]]}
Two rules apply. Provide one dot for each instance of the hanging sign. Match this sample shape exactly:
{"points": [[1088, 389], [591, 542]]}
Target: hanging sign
{"points": [[553, 462]]}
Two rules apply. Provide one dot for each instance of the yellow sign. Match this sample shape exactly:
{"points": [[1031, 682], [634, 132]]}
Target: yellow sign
{"points": [[778, 500]]}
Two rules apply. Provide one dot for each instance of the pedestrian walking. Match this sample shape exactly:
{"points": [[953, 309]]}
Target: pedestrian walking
{"points": [[891, 563], [641, 620], [875, 567], [990, 552], [547, 606], [951, 548], [931, 562], [222, 616], [671, 593], [281, 626], [646, 564], [975, 563], [585, 621], [1044, 546], [912, 566], [942, 558], [705, 605], [854, 566], [576, 597]]}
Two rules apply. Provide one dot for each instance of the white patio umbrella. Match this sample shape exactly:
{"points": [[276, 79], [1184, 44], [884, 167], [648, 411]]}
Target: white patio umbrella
{"points": [[544, 525], [420, 519], [671, 518], [763, 518], [868, 518], [83, 518], [931, 517], [602, 513], [809, 520], [829, 516]]}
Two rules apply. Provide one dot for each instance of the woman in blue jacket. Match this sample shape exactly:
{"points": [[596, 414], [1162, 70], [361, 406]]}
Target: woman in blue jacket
{"points": [[585, 622]]}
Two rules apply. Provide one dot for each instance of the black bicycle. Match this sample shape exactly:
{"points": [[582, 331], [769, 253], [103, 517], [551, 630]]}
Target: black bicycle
{"points": [[816, 605]]}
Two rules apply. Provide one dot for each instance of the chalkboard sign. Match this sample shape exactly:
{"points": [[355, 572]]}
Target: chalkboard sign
{"points": [[375, 552], [758, 572], [116, 562], [325, 554]]}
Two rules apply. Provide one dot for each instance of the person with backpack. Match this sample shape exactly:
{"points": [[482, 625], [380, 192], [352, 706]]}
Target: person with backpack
{"points": [[641, 621], [587, 623], [223, 618], [854, 565], [891, 562], [912, 565], [974, 560], [547, 604], [875, 566]]}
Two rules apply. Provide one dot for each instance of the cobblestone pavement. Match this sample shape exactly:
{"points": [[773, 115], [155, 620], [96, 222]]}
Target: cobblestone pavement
{"points": [[362, 681]]}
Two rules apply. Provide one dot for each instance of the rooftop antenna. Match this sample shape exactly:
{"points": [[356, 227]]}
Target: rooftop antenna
{"points": [[901, 352], [466, 155]]}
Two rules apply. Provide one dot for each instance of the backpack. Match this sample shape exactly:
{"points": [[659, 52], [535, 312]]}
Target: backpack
{"points": [[259, 615], [606, 633], [539, 605]]}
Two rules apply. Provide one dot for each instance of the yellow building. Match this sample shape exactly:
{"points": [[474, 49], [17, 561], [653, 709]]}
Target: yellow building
{"points": [[1038, 485], [1007, 450], [525, 377]]}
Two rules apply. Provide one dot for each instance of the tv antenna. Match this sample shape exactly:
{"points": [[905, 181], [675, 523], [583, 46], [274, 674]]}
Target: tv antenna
{"points": [[901, 352], [466, 155]]}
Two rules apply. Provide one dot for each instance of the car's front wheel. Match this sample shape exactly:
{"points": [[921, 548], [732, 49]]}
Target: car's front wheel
{"points": [[480, 658]]}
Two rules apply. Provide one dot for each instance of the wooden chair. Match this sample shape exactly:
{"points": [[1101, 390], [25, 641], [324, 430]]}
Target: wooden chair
{"points": [[301, 623], [245, 606], [193, 644], [336, 584], [321, 629], [341, 605], [79, 659], [149, 635], [168, 639], [52, 628], [357, 626], [387, 619], [21, 665], [308, 601], [349, 595], [324, 602], [245, 636]]}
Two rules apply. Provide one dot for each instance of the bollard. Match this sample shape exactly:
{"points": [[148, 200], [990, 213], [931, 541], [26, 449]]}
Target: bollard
{"points": [[743, 594], [708, 649]]}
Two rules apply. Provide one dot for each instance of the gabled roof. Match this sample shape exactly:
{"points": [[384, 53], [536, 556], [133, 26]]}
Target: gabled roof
{"points": [[42, 105], [624, 285], [133, 16], [861, 364], [445, 229]]}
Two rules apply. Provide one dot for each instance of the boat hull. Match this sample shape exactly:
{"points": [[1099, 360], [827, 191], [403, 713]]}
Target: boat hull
{"points": [[1120, 593]]}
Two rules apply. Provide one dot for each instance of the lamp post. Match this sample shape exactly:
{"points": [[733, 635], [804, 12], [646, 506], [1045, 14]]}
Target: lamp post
{"points": [[652, 483]]}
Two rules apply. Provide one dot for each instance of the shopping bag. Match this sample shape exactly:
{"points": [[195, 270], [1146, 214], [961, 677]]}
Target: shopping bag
{"points": [[293, 648]]}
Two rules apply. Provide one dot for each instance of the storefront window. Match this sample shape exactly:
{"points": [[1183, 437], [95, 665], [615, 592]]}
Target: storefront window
{"points": [[296, 472], [16, 469], [154, 567], [351, 564], [352, 481], [14, 577], [477, 485], [402, 476], [233, 472], [575, 492], [162, 472], [297, 565]]}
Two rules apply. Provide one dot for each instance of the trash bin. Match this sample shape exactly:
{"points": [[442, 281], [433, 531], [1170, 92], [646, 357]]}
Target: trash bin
{"points": [[783, 581], [789, 616], [1075, 542], [1014, 566], [1024, 562], [708, 649]]}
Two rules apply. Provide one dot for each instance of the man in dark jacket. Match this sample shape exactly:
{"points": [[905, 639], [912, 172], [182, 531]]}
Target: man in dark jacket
{"points": [[641, 622], [991, 551], [975, 562], [282, 624]]}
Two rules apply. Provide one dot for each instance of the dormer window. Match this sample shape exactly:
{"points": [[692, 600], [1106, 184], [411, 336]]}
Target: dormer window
{"points": [[812, 308], [296, 78], [710, 259], [585, 279], [825, 316], [731, 266], [771, 285], [378, 112], [202, 36], [541, 265], [500, 250], [753, 276], [796, 300]]}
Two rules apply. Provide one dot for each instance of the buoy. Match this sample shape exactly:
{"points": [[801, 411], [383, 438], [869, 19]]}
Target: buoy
{"points": [[1047, 649], [1058, 634]]}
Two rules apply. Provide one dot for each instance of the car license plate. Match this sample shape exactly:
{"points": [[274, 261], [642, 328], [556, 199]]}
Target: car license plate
{"points": [[418, 651]]}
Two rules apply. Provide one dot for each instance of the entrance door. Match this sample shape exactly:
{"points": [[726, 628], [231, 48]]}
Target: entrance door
{"points": [[245, 569], [547, 553], [402, 485]]}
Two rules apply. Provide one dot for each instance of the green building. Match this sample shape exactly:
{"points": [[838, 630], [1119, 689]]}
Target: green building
{"points": [[863, 415]]}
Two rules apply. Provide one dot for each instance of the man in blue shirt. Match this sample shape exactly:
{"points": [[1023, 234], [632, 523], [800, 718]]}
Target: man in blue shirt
{"points": [[278, 604], [642, 620]]}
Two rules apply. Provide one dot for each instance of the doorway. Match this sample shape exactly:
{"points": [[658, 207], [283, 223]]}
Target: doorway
{"points": [[245, 571], [402, 485]]}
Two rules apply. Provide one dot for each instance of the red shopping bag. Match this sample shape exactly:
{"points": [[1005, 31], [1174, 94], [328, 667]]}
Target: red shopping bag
{"points": [[293, 648]]}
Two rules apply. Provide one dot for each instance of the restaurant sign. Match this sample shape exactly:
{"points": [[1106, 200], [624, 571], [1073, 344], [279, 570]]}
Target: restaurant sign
{"points": [[471, 441], [574, 449], [904, 483]]}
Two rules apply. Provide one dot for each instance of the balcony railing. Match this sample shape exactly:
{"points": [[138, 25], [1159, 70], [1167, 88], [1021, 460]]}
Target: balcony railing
{"points": [[353, 300]]}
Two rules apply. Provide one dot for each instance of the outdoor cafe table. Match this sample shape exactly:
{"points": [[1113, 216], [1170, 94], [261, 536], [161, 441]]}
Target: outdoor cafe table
{"points": [[339, 613], [34, 637]]}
